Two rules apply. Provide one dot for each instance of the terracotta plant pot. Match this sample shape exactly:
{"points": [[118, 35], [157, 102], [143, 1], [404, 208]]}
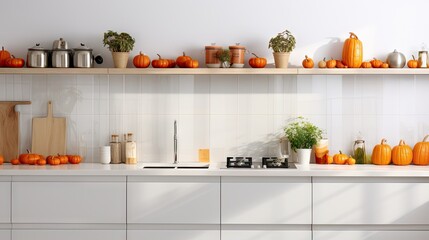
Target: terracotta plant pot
{"points": [[281, 59], [120, 59]]}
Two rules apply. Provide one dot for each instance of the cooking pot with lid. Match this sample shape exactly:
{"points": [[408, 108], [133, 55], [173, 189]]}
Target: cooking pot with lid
{"points": [[84, 58], [61, 54], [37, 57]]}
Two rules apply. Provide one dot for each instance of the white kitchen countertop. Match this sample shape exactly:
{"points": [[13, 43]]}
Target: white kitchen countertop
{"points": [[95, 169]]}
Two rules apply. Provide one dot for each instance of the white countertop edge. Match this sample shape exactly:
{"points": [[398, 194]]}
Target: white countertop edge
{"points": [[313, 170]]}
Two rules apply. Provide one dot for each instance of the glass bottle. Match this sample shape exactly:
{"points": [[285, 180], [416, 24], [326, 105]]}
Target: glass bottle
{"points": [[359, 152], [130, 150], [115, 150], [123, 149]]}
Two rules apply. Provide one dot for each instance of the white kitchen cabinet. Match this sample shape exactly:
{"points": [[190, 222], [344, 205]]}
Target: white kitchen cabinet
{"points": [[5, 199], [370, 235], [168, 234], [173, 200], [68, 234], [80, 199], [266, 234], [266, 200], [5, 234], [366, 201]]}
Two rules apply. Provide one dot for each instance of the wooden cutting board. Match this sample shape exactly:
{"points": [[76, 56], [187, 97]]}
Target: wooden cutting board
{"points": [[9, 129], [49, 134]]}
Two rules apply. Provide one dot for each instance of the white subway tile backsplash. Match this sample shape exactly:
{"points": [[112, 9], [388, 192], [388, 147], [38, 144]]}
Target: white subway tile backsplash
{"points": [[229, 114]]}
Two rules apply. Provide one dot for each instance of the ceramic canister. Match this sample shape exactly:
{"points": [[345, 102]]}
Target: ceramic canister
{"points": [[211, 56]]}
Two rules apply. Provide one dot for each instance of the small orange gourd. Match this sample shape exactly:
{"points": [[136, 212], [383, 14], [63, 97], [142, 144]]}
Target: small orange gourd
{"points": [[421, 152], [366, 65], [160, 63], [192, 64], [74, 159], [384, 65], [376, 63], [413, 63], [141, 61], [307, 62], [181, 60], [381, 154], [53, 160], [257, 62], [1, 159], [4, 55], [15, 161], [63, 159], [340, 158], [41, 162], [331, 63], [340, 64], [352, 51], [402, 154]]}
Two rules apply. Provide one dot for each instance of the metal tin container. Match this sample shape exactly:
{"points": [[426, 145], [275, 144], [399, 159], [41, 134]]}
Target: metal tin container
{"points": [[37, 57], [237, 55], [211, 56], [423, 59], [396, 59], [61, 54], [83, 57]]}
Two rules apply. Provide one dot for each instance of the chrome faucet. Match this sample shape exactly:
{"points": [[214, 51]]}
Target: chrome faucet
{"points": [[175, 142]]}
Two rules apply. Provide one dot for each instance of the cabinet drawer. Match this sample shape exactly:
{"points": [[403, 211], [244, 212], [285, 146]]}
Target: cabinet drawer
{"points": [[69, 202], [265, 234], [69, 234], [266, 200], [370, 235], [371, 201], [173, 200], [5, 202], [173, 235]]}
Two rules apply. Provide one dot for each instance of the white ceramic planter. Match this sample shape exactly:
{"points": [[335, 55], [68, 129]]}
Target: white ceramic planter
{"points": [[304, 156], [281, 59]]}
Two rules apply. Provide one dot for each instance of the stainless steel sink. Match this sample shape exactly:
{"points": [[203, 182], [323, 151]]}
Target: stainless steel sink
{"points": [[176, 166]]}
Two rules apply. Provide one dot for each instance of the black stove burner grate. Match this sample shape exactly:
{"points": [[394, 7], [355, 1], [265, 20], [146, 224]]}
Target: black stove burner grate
{"points": [[239, 162], [274, 162]]}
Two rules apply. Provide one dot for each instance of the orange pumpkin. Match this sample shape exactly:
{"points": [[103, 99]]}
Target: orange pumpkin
{"points": [[340, 158], [74, 159], [384, 65], [15, 161], [4, 55], [376, 63], [366, 65], [352, 51], [41, 162], [141, 61], [421, 152], [339, 64], [171, 63], [402, 154], [1, 159], [181, 60], [307, 62], [381, 154], [160, 63], [63, 159], [191, 64], [28, 158], [257, 62], [53, 160], [413, 63], [350, 161], [14, 62], [331, 63]]}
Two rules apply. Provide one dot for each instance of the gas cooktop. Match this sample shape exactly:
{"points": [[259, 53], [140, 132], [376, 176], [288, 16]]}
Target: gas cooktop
{"points": [[266, 163]]}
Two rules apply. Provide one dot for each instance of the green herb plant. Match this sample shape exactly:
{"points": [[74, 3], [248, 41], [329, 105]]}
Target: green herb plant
{"points": [[302, 134], [283, 42], [224, 55], [118, 42]]}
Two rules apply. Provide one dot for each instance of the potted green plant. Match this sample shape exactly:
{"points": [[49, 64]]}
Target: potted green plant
{"points": [[120, 45], [224, 57], [282, 45], [302, 135]]}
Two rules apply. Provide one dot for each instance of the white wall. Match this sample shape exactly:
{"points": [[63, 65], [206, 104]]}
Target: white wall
{"points": [[170, 27], [231, 115]]}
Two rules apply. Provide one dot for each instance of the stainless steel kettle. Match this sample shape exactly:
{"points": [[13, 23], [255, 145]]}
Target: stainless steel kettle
{"points": [[84, 58], [37, 57], [61, 54]]}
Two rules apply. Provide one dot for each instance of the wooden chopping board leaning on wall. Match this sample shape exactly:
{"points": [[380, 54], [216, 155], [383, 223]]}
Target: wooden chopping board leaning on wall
{"points": [[49, 134], [9, 129]]}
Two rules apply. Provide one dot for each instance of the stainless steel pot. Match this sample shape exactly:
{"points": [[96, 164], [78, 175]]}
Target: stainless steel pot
{"points": [[37, 57], [84, 58], [61, 55]]}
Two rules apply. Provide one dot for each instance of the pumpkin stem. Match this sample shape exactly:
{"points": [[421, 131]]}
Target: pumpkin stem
{"points": [[413, 57], [426, 137], [306, 57], [401, 142], [324, 59], [2, 48], [159, 56], [12, 56], [341, 152], [184, 54], [383, 141], [28, 151], [352, 35], [255, 55], [141, 53]]}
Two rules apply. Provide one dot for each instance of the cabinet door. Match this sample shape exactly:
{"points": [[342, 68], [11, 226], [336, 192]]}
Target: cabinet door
{"points": [[5, 187], [370, 235], [69, 200], [173, 200], [266, 200], [371, 200], [265, 234], [69, 234], [173, 235], [5, 234]]}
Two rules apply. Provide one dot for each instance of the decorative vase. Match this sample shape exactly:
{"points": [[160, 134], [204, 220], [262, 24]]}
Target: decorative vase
{"points": [[304, 156], [281, 59], [226, 64], [120, 59]]}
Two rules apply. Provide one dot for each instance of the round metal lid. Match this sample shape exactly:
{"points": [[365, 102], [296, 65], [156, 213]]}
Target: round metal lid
{"points": [[82, 48], [37, 47]]}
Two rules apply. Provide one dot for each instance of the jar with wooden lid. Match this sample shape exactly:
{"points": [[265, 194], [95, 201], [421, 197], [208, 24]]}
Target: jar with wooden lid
{"points": [[212, 60], [130, 150], [115, 150], [237, 55]]}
